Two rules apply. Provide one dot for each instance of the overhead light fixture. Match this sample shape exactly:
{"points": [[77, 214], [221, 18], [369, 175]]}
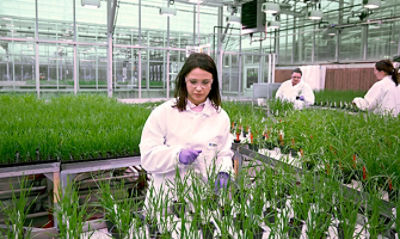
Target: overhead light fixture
{"points": [[233, 19], [168, 11], [273, 25], [315, 15], [196, 1], [331, 32], [90, 3], [372, 4], [270, 7]]}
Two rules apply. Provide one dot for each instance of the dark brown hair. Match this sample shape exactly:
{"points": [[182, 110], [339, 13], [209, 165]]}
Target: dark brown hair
{"points": [[297, 70], [387, 67], [204, 62]]}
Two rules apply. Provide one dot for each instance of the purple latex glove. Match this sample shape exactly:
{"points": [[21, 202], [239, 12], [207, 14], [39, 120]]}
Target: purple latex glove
{"points": [[221, 181], [187, 156]]}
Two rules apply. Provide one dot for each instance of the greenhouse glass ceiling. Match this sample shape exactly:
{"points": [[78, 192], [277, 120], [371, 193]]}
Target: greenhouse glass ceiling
{"points": [[150, 47]]}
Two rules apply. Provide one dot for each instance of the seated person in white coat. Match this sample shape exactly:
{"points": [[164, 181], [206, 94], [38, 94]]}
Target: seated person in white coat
{"points": [[296, 91], [374, 99], [190, 131], [396, 63], [391, 102]]}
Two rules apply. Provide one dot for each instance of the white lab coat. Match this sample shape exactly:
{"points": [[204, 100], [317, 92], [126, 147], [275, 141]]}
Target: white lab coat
{"points": [[373, 100], [288, 92], [391, 102], [167, 131]]}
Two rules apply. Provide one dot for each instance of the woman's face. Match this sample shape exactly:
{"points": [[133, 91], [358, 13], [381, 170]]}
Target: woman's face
{"points": [[296, 77], [198, 85], [379, 74]]}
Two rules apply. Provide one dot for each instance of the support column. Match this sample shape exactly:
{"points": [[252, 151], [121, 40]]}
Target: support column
{"points": [[56, 187], [36, 50], [76, 66], [313, 46], [139, 63], [364, 38], [219, 47], [293, 40], [109, 50], [338, 32], [167, 67], [240, 63], [194, 25]]}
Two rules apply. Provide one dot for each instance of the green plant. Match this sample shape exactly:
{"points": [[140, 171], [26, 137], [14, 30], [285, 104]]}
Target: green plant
{"points": [[121, 211], [68, 128], [336, 96], [15, 213], [376, 223], [346, 211], [70, 213]]}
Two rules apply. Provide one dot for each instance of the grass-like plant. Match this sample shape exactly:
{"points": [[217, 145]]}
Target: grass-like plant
{"points": [[346, 210], [156, 209], [68, 128], [121, 211], [376, 224], [15, 212], [71, 214], [337, 96]]}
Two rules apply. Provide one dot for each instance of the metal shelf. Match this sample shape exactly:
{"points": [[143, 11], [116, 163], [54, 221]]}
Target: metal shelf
{"points": [[24, 170]]}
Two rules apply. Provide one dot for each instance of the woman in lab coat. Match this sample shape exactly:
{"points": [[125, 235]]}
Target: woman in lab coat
{"points": [[387, 80], [190, 131], [391, 101], [296, 91]]}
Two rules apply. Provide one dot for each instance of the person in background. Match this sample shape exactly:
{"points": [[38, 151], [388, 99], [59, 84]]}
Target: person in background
{"points": [[374, 99], [191, 130], [296, 91], [391, 101], [396, 63]]}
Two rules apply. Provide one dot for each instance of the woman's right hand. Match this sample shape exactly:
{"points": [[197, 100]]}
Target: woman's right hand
{"points": [[187, 156]]}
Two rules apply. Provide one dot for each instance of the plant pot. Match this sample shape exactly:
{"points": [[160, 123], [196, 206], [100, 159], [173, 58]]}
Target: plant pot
{"points": [[309, 165], [347, 178], [393, 195], [293, 152], [284, 149], [207, 230], [269, 215], [256, 230], [340, 230], [269, 145], [253, 147], [295, 227], [177, 208], [112, 229], [153, 230], [281, 203], [391, 234]]}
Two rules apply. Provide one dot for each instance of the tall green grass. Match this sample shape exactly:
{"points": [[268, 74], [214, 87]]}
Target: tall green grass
{"points": [[68, 128], [120, 209], [15, 212], [337, 96], [70, 213], [332, 138]]}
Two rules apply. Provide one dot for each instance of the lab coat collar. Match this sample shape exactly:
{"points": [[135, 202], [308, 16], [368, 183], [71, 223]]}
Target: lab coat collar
{"points": [[299, 85], [387, 79], [207, 110], [190, 105]]}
